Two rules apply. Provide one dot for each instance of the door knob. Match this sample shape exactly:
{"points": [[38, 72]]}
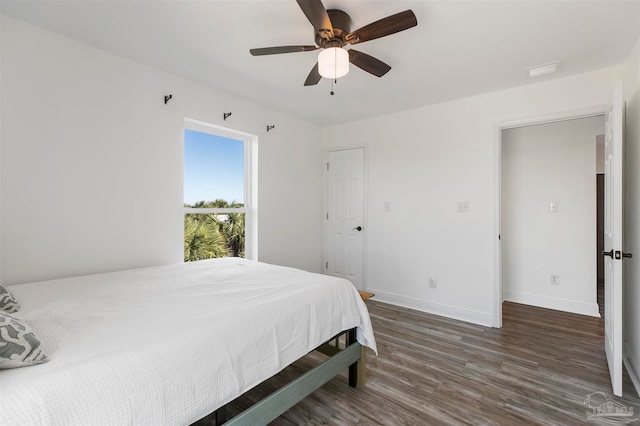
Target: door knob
{"points": [[608, 253], [357, 228], [627, 255]]}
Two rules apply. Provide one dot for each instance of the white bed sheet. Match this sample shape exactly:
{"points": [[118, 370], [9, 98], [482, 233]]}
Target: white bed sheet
{"points": [[168, 345]]}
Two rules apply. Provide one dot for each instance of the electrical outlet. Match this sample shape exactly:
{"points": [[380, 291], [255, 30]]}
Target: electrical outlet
{"points": [[555, 279], [432, 282], [463, 207]]}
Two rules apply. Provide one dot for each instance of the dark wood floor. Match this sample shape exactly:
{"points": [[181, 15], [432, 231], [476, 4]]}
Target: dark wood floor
{"points": [[538, 369]]}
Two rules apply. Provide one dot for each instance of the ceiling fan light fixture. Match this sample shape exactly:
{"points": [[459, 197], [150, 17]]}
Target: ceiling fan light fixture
{"points": [[333, 62]]}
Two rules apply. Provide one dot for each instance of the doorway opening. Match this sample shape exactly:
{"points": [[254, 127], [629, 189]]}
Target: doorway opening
{"points": [[544, 227], [600, 188]]}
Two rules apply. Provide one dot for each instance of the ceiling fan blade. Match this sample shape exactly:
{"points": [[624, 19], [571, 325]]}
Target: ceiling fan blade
{"points": [[384, 27], [281, 49], [316, 14], [314, 76], [368, 63]]}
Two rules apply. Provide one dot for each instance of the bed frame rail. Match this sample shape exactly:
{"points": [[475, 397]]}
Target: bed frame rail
{"points": [[268, 409]]}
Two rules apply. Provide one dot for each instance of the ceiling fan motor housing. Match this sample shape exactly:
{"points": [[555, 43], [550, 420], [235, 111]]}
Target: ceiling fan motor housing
{"points": [[341, 22]]}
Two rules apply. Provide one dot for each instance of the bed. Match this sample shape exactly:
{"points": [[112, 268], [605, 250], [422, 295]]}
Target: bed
{"points": [[170, 344]]}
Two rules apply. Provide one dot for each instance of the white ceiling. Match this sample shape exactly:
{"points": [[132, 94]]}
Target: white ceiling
{"points": [[458, 49]]}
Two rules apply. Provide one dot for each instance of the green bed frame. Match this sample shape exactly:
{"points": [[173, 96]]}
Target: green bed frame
{"points": [[352, 356]]}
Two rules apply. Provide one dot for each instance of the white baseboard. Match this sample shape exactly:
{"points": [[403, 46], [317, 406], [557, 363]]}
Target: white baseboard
{"points": [[590, 309], [632, 369], [475, 317]]}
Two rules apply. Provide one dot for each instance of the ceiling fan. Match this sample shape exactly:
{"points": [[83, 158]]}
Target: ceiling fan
{"points": [[332, 32]]}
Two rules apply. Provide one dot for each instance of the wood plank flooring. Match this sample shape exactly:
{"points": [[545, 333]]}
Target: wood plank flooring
{"points": [[538, 369]]}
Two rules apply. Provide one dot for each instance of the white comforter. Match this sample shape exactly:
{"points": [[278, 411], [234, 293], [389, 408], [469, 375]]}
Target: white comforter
{"points": [[168, 345]]}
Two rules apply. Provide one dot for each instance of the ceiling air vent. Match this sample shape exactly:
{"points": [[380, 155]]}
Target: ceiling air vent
{"points": [[541, 70]]}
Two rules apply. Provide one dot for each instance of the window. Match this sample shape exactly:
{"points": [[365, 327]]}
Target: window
{"points": [[220, 192]]}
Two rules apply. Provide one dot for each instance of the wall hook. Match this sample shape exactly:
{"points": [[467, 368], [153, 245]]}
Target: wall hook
{"points": [[167, 98], [226, 115], [269, 127]]}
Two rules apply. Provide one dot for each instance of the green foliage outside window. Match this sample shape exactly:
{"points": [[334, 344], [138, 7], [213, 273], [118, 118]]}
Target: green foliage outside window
{"points": [[208, 236]]}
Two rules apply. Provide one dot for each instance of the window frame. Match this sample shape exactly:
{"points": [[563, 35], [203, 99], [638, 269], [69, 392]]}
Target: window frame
{"points": [[250, 208]]}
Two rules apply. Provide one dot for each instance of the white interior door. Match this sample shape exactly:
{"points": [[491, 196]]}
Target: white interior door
{"points": [[613, 241], [345, 213]]}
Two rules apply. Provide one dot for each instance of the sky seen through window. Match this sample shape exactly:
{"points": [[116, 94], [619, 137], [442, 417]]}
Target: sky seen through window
{"points": [[213, 168]]}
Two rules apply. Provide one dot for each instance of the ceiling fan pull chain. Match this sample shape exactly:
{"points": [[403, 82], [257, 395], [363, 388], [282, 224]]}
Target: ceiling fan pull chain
{"points": [[335, 70]]}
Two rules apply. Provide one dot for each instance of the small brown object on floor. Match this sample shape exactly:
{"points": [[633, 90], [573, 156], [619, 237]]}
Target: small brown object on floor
{"points": [[366, 295]]}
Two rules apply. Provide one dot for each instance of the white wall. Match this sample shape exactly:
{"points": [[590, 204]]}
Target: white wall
{"points": [[426, 160], [544, 164], [91, 166], [632, 218]]}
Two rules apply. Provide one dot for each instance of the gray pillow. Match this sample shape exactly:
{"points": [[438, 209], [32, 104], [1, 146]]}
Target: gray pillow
{"points": [[19, 347], [8, 302]]}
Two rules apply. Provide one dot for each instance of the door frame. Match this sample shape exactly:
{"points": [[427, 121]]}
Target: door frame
{"points": [[498, 127], [365, 202]]}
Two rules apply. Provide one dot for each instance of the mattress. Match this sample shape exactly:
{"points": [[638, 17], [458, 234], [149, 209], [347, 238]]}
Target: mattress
{"points": [[169, 344]]}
